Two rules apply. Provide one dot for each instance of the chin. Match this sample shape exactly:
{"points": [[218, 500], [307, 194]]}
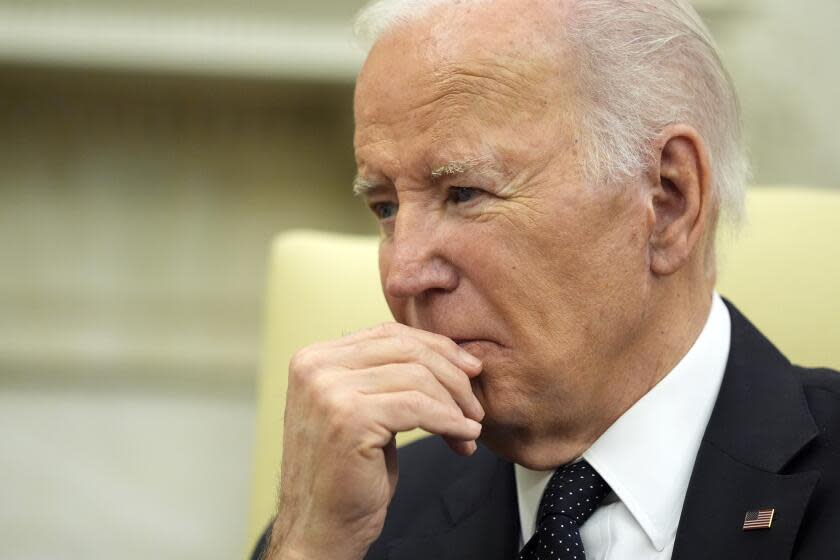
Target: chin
{"points": [[511, 433], [533, 455], [512, 408], [504, 429]]}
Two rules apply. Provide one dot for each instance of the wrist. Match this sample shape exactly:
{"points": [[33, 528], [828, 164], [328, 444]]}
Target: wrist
{"points": [[300, 542]]}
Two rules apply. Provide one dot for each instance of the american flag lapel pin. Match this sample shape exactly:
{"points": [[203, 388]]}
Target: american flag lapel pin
{"points": [[759, 519]]}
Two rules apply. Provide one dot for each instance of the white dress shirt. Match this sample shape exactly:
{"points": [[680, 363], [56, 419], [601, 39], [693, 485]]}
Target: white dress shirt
{"points": [[646, 456]]}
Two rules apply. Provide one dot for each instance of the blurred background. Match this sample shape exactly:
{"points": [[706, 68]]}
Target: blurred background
{"points": [[148, 153]]}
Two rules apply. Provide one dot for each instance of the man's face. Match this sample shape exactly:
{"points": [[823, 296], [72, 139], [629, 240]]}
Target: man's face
{"points": [[466, 141]]}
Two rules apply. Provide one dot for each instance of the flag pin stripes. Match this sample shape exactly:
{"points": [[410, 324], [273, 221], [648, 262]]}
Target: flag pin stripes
{"points": [[758, 519]]}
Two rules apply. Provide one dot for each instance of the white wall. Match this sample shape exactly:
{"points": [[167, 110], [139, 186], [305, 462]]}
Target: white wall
{"points": [[783, 58], [135, 218], [126, 472]]}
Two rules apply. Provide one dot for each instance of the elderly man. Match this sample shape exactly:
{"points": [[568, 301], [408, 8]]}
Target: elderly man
{"points": [[548, 176]]}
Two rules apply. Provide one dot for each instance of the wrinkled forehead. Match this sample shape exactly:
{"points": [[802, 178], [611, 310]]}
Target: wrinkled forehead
{"points": [[495, 57]]}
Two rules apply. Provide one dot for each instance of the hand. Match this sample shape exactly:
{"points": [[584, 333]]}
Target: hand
{"points": [[346, 400]]}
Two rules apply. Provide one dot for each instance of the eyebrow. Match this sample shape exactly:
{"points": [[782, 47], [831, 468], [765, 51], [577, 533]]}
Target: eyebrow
{"points": [[454, 168], [363, 186]]}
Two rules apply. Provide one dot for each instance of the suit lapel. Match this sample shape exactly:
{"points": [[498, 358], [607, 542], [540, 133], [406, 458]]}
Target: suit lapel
{"points": [[716, 503], [759, 423], [483, 522]]}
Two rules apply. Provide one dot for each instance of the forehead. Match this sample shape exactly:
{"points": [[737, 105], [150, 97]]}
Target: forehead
{"points": [[488, 89], [488, 67]]}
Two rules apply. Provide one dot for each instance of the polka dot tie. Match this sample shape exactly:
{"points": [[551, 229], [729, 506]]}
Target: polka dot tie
{"points": [[572, 494]]}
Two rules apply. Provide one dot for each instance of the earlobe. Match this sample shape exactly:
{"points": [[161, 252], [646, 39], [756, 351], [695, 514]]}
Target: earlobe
{"points": [[679, 199]]}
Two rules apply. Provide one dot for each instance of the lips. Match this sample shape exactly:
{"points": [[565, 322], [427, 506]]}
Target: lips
{"points": [[459, 332], [463, 337], [467, 343], [462, 341]]}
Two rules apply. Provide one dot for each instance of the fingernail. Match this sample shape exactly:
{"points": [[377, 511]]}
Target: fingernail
{"points": [[473, 425], [470, 359], [479, 410], [472, 447]]}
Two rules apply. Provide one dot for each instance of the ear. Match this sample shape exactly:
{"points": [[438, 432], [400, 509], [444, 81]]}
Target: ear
{"points": [[680, 198]]}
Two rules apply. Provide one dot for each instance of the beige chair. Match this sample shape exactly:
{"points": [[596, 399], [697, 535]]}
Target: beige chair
{"points": [[783, 271]]}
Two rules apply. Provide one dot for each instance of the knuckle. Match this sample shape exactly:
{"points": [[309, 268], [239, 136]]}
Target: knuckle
{"points": [[461, 383], [443, 342], [328, 399], [419, 372], [302, 361], [415, 402], [341, 405], [406, 345], [319, 385], [341, 409], [388, 329], [454, 415], [424, 381], [451, 345]]}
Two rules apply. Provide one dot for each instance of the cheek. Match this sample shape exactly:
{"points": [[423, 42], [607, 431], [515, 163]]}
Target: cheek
{"points": [[622, 250], [504, 265], [559, 269]]}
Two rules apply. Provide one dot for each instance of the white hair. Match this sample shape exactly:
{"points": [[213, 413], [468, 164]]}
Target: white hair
{"points": [[642, 65]]}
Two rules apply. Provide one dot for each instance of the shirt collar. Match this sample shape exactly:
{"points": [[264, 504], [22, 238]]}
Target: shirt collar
{"points": [[647, 455]]}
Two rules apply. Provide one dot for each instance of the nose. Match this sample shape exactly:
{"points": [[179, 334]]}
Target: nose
{"points": [[412, 261]]}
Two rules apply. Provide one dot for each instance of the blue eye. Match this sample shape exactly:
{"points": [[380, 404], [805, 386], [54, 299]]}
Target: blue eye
{"points": [[384, 210], [460, 195]]}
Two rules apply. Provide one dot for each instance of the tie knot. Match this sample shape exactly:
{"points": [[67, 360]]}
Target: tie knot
{"points": [[574, 491]]}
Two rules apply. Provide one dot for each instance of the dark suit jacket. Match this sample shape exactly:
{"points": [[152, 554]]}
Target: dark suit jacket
{"points": [[773, 441]]}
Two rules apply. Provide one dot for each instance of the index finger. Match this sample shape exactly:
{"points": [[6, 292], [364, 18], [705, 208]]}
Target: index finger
{"points": [[438, 342]]}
